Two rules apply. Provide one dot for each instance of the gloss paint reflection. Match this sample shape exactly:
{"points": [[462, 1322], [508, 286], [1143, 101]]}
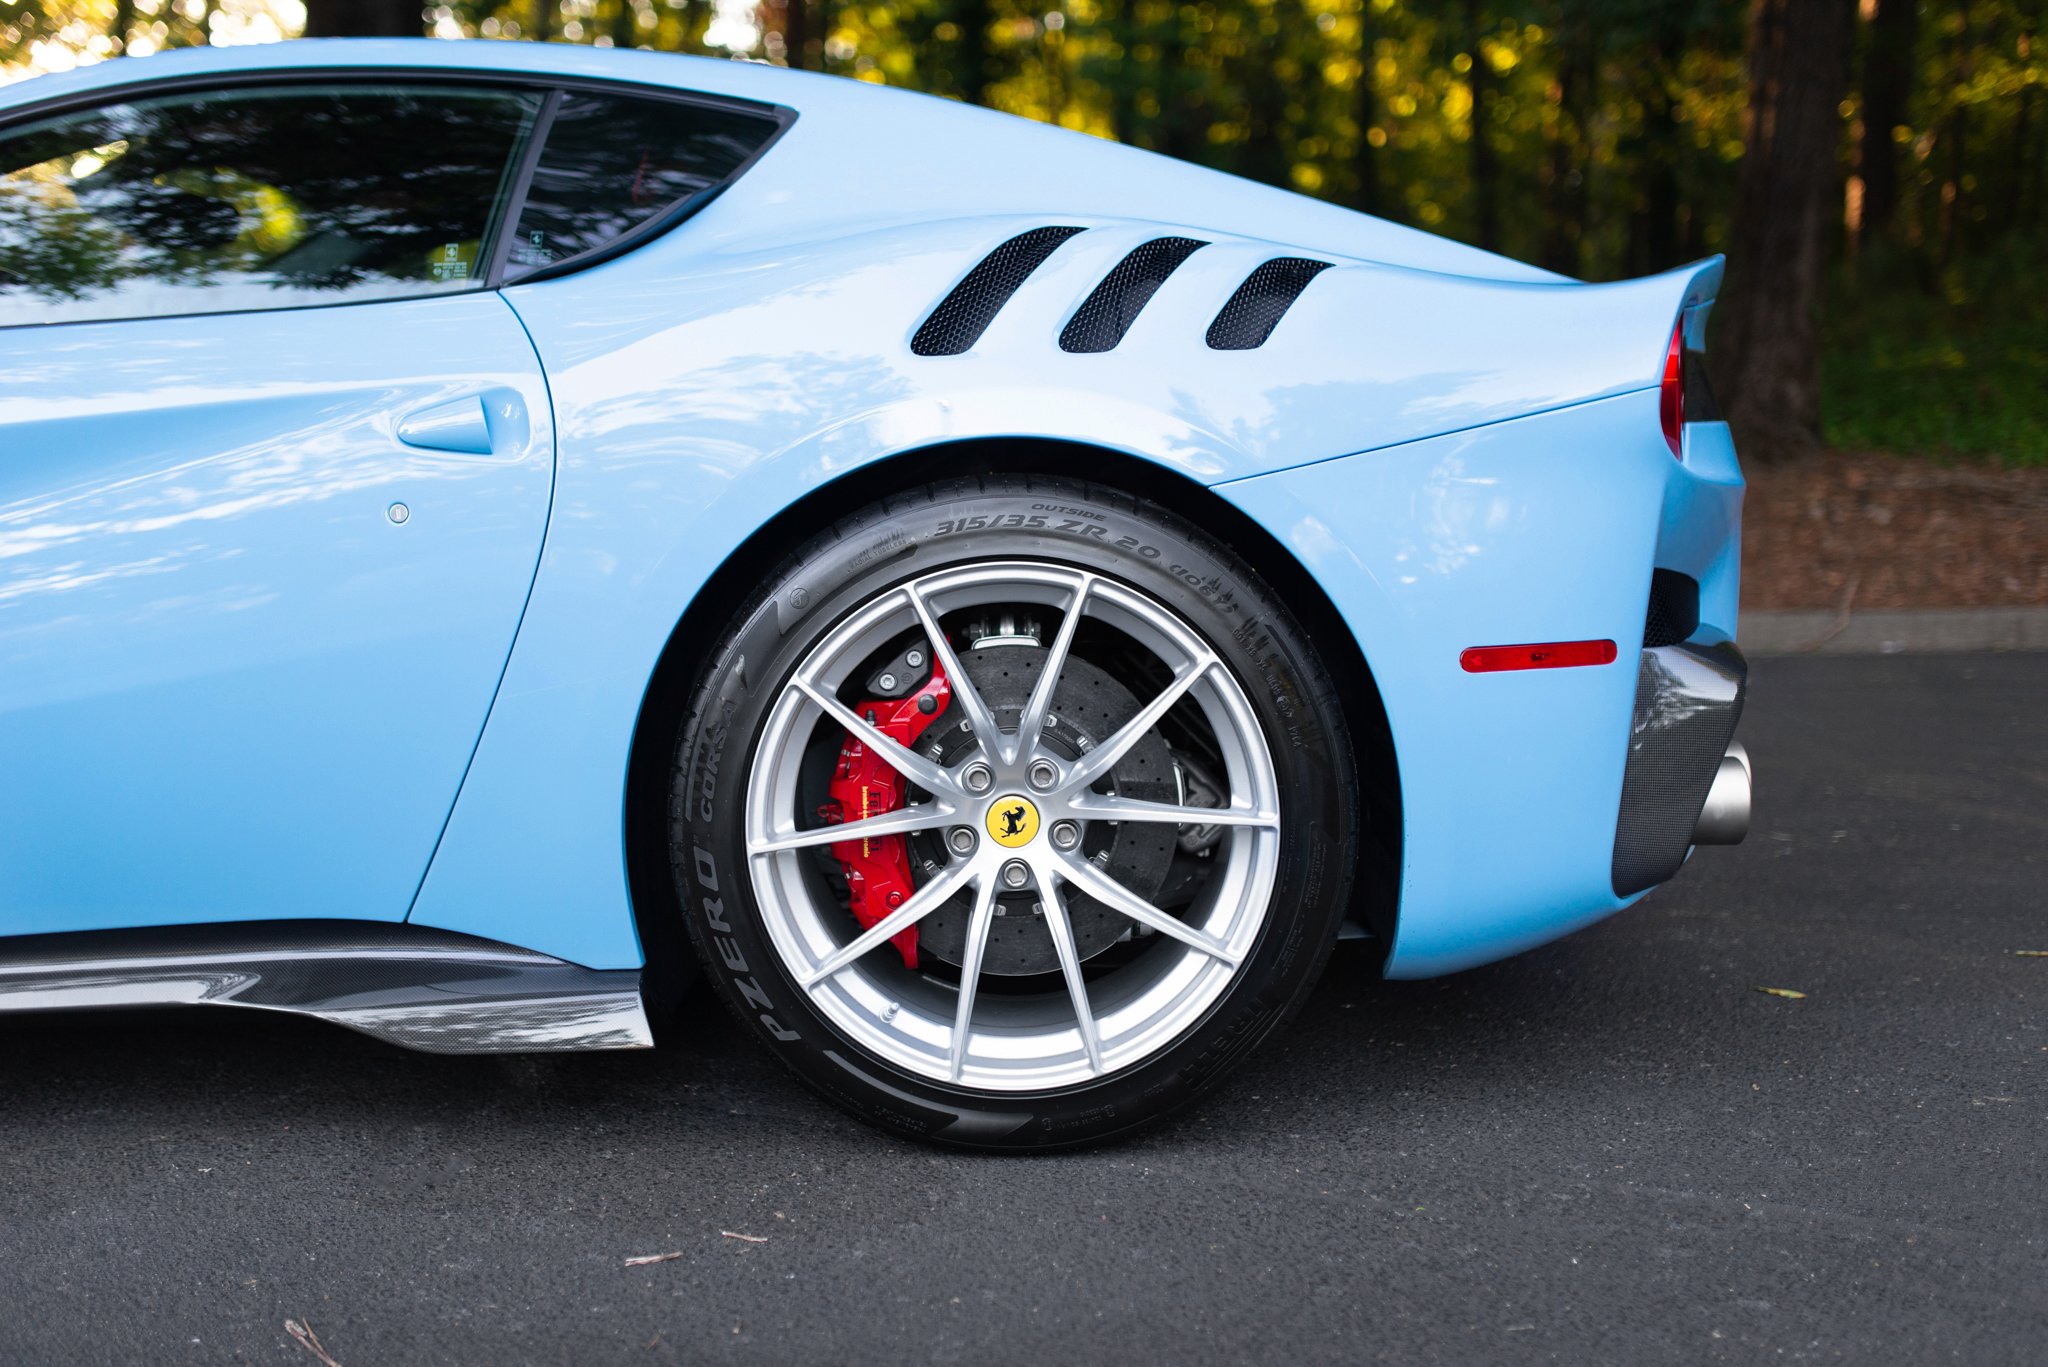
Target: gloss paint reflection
{"points": [[230, 686]]}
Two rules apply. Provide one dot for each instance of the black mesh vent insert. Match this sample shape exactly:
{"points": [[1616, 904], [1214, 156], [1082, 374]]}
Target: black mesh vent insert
{"points": [[1674, 609], [1267, 293], [962, 316], [1108, 312]]}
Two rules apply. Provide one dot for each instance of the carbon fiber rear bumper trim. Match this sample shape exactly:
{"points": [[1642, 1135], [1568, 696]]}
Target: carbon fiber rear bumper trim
{"points": [[420, 988], [1688, 699]]}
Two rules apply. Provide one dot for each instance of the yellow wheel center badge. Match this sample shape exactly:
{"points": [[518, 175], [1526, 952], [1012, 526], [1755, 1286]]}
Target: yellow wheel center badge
{"points": [[1012, 821]]}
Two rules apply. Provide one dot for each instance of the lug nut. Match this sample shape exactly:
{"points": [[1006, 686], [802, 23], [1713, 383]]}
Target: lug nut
{"points": [[961, 840], [1044, 773], [1065, 835], [1016, 874], [979, 778]]}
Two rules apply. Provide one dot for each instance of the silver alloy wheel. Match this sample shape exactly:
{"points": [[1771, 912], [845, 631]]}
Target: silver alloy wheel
{"points": [[1003, 1042]]}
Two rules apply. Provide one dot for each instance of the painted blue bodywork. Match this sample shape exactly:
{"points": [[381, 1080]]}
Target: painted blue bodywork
{"points": [[231, 687], [1461, 449]]}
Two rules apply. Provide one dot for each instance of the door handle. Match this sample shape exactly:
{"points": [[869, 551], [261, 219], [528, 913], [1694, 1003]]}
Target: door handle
{"points": [[475, 424], [458, 425]]}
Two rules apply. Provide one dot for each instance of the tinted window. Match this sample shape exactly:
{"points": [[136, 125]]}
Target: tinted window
{"points": [[252, 200], [613, 163]]}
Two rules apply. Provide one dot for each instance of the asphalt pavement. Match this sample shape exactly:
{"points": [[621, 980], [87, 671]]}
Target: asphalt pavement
{"points": [[1613, 1149]]}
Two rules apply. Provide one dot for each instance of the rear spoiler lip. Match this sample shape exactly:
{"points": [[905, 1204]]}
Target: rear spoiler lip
{"points": [[1703, 280], [1678, 298], [1703, 285]]}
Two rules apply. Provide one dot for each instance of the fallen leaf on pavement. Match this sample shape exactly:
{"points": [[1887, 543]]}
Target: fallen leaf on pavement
{"points": [[303, 1335], [745, 1238], [1784, 992], [645, 1258]]}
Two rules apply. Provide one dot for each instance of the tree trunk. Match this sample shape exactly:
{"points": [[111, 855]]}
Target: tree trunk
{"points": [[1887, 94], [824, 18], [543, 20], [364, 19], [1365, 111], [1122, 79], [1184, 118], [1052, 50], [1569, 162], [1666, 136], [796, 34], [1485, 180], [1767, 338], [974, 53], [1265, 155]]}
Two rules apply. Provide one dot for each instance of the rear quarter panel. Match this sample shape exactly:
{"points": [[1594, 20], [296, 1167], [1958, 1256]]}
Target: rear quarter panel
{"points": [[705, 382], [1544, 528]]}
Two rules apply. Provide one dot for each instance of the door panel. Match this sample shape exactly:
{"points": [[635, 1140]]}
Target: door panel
{"points": [[235, 682]]}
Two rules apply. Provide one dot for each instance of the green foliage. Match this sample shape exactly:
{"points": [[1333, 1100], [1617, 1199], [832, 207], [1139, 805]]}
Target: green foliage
{"points": [[1597, 137], [40, 35], [1951, 363], [64, 248]]}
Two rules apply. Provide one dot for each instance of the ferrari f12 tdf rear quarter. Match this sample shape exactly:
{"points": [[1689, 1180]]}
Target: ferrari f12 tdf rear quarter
{"points": [[1001, 602]]}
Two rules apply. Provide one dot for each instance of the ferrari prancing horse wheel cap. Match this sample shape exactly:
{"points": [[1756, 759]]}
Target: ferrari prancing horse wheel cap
{"points": [[1012, 821]]}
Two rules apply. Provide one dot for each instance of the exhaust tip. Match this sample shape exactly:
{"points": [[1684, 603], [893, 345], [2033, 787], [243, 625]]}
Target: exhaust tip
{"points": [[1725, 818]]}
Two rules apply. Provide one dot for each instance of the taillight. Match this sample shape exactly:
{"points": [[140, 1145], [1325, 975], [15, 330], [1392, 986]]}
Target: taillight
{"points": [[1671, 394]]}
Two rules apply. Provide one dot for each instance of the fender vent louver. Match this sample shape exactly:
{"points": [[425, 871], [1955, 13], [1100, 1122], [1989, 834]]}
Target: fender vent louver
{"points": [[1108, 312], [1255, 310], [962, 316]]}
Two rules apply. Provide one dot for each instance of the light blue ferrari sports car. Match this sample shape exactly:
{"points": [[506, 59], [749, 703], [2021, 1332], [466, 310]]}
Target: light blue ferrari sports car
{"points": [[486, 528]]}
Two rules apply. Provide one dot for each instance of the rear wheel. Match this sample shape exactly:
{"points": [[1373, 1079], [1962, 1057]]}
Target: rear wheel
{"points": [[1013, 813]]}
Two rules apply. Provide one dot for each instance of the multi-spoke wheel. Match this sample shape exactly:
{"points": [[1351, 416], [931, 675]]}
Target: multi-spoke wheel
{"points": [[1017, 835]]}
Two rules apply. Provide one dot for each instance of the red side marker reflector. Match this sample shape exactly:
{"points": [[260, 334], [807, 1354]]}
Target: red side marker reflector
{"points": [[1550, 655]]}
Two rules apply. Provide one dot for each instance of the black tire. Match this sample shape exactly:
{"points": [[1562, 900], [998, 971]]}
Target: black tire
{"points": [[1104, 531]]}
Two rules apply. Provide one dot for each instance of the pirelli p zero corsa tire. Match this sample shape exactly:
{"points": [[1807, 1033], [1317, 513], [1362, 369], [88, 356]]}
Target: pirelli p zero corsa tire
{"points": [[1013, 813]]}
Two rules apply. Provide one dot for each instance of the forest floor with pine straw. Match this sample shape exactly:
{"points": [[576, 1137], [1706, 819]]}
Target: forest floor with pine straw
{"points": [[1848, 531]]}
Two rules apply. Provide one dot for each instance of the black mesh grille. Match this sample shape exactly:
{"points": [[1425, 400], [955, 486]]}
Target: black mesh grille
{"points": [[1688, 699], [1674, 609], [1108, 312], [962, 316], [1267, 293]]}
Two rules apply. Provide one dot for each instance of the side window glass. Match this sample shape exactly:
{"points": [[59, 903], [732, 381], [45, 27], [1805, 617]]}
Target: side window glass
{"points": [[237, 200], [612, 163]]}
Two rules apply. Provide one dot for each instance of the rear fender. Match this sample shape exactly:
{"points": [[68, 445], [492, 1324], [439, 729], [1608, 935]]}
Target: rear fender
{"points": [[700, 390], [1543, 529]]}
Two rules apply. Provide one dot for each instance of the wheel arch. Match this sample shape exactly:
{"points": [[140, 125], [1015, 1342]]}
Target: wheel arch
{"points": [[657, 917]]}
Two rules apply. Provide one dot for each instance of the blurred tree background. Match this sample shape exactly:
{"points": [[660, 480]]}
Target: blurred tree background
{"points": [[1876, 169]]}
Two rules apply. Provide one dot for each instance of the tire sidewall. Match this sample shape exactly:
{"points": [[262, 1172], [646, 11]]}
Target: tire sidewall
{"points": [[940, 528]]}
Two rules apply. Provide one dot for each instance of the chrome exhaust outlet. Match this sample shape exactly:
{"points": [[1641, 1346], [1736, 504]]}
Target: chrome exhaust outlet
{"points": [[1725, 818]]}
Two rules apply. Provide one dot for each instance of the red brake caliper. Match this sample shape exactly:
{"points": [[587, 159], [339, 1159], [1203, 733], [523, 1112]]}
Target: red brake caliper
{"points": [[864, 785]]}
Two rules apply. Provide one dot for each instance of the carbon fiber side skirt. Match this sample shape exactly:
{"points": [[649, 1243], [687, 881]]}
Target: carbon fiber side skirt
{"points": [[423, 989]]}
